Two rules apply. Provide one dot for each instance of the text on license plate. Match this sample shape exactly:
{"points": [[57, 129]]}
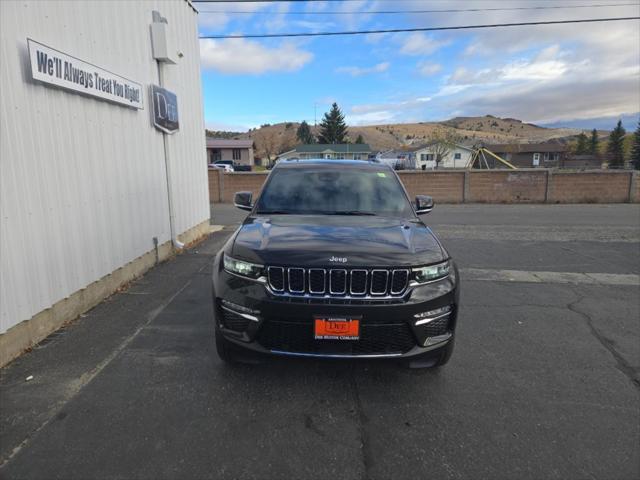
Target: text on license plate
{"points": [[337, 328]]}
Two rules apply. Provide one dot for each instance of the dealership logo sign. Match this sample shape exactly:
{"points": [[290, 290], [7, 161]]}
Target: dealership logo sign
{"points": [[56, 68], [165, 109]]}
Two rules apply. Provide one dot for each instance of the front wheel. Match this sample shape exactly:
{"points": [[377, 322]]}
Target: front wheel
{"points": [[224, 349], [434, 360], [446, 354]]}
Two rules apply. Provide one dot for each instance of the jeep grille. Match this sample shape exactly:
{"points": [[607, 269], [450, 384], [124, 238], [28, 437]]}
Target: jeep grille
{"points": [[338, 281]]}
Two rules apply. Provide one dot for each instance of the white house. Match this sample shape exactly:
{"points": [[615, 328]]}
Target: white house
{"points": [[458, 156], [400, 159]]}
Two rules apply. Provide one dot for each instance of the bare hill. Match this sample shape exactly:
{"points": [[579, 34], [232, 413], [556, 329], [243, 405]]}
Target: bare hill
{"points": [[277, 138]]}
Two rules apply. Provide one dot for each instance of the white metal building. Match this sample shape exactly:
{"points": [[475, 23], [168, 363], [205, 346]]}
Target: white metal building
{"points": [[84, 184]]}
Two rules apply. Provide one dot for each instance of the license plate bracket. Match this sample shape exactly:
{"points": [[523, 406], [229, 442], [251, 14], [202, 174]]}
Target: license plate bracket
{"points": [[336, 327]]}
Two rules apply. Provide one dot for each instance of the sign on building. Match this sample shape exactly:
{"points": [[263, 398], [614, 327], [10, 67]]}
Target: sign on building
{"points": [[51, 66], [165, 109]]}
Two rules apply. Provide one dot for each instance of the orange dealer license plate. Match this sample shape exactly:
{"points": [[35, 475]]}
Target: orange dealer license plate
{"points": [[337, 328]]}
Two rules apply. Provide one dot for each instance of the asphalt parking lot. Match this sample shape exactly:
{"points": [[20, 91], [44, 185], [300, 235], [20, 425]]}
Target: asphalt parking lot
{"points": [[544, 381]]}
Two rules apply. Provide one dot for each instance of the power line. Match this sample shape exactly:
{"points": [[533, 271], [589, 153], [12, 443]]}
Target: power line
{"points": [[450, 10], [340, 1], [277, 1], [423, 29], [271, 1]]}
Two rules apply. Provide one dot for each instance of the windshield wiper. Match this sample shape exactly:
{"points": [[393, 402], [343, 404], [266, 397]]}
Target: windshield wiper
{"points": [[314, 212], [273, 212], [351, 212]]}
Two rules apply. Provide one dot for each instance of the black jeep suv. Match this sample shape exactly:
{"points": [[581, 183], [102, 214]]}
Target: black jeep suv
{"points": [[333, 261]]}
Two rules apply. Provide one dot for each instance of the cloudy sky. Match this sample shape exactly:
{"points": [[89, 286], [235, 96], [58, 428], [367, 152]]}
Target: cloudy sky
{"points": [[539, 74]]}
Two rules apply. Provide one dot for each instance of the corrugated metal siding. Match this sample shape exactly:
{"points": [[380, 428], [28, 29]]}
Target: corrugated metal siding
{"points": [[82, 181]]}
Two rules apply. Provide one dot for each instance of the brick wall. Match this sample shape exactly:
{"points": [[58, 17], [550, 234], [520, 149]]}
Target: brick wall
{"points": [[239, 182], [483, 186], [507, 186], [444, 187], [590, 187], [214, 185]]}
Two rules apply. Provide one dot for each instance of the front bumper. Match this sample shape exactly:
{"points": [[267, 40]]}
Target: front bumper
{"points": [[252, 318]]}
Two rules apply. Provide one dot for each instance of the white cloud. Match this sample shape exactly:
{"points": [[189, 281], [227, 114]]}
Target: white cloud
{"points": [[210, 22], [371, 118], [420, 44], [353, 21], [401, 105], [427, 69], [545, 66], [216, 18], [311, 26], [575, 71], [358, 71], [451, 90], [553, 85], [278, 20], [563, 100], [251, 57], [465, 76], [536, 73], [501, 41], [534, 70], [398, 111], [227, 127]]}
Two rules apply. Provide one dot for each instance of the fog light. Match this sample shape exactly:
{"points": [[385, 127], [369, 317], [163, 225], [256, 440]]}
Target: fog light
{"points": [[240, 310], [431, 315]]}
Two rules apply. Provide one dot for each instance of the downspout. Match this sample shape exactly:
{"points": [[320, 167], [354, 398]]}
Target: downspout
{"points": [[177, 244], [167, 166]]}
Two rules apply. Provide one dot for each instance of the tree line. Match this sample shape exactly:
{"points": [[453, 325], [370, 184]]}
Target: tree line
{"points": [[589, 145], [333, 130]]}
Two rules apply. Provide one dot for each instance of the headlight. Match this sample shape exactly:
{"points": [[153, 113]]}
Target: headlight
{"points": [[432, 272], [244, 269]]}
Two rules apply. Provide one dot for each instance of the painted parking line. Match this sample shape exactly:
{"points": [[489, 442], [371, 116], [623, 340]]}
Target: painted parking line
{"points": [[541, 233], [523, 276]]}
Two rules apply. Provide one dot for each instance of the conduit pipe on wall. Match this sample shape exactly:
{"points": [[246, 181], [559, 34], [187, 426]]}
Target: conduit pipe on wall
{"points": [[157, 18]]}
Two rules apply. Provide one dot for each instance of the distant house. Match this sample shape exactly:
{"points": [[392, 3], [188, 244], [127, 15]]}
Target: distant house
{"points": [[530, 155], [458, 156], [339, 151], [398, 159], [238, 151]]}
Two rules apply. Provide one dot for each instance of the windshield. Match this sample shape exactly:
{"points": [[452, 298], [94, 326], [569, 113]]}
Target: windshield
{"points": [[339, 191]]}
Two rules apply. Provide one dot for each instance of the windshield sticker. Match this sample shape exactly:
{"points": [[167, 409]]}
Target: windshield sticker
{"points": [[382, 174]]}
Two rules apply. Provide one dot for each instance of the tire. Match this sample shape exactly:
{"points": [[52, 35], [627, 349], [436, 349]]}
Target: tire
{"points": [[446, 354], [434, 362], [224, 349]]}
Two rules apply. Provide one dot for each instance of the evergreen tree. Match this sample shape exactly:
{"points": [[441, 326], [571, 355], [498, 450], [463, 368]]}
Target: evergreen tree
{"points": [[582, 145], [332, 128], [359, 140], [304, 134], [615, 147], [635, 150], [593, 142]]}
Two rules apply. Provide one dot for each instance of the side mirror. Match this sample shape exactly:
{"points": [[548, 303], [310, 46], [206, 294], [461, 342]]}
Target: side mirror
{"points": [[424, 204], [242, 200]]}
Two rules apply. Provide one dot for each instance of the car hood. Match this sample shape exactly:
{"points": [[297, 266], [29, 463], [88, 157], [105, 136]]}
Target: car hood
{"points": [[311, 241]]}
